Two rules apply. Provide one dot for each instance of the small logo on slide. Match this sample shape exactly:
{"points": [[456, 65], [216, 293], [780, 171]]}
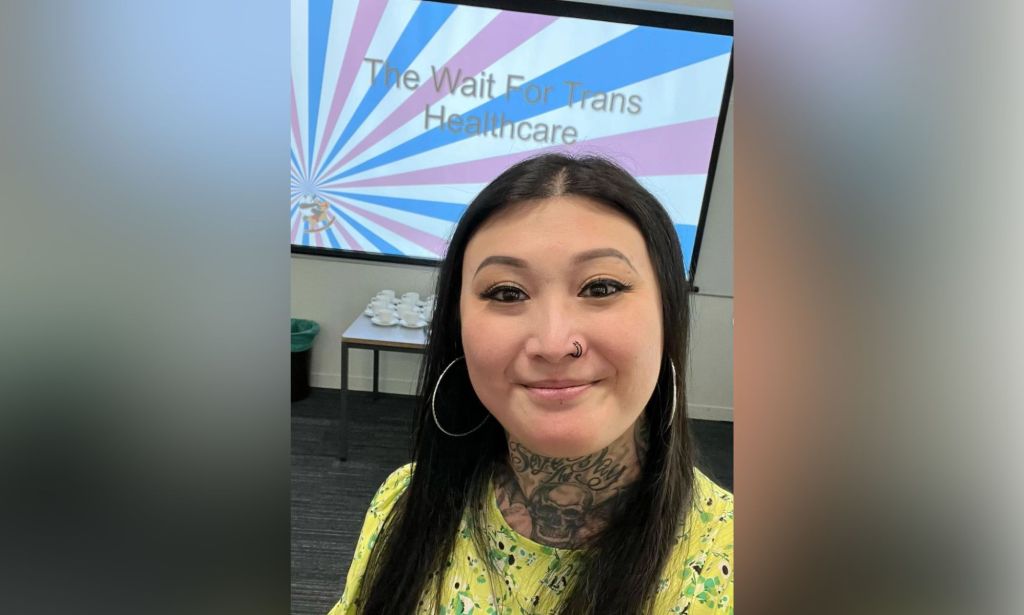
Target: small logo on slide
{"points": [[317, 217]]}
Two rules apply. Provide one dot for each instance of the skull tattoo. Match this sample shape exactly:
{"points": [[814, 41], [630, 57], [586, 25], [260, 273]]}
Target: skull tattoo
{"points": [[559, 511]]}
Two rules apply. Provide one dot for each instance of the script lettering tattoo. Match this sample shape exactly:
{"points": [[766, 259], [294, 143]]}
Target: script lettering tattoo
{"points": [[598, 471], [562, 502]]}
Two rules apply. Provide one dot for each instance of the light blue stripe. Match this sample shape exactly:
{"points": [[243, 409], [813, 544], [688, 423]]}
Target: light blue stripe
{"points": [[441, 210], [319, 31], [422, 27], [332, 238], [687, 234], [382, 246]]}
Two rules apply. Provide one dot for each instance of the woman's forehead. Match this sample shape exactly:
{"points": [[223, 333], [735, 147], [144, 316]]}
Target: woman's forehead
{"points": [[556, 228], [561, 205]]}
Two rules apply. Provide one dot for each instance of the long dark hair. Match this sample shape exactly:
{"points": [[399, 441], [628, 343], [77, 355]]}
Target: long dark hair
{"points": [[620, 568]]}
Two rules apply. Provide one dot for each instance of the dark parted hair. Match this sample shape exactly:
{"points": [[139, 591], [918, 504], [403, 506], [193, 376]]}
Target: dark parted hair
{"points": [[621, 566]]}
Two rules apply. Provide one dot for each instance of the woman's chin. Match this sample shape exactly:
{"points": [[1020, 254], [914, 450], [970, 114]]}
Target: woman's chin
{"points": [[564, 449], [572, 430], [568, 442]]}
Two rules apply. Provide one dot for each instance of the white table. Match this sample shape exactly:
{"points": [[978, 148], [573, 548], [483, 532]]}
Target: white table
{"points": [[363, 334]]}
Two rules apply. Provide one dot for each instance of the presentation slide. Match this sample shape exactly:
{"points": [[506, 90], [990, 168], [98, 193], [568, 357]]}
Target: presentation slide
{"points": [[402, 111]]}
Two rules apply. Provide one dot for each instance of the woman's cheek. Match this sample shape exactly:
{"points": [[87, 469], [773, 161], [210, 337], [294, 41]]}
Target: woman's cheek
{"points": [[478, 338], [487, 354]]}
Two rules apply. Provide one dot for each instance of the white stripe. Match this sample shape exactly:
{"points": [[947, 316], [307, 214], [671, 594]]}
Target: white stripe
{"points": [[392, 22], [342, 16], [300, 63]]}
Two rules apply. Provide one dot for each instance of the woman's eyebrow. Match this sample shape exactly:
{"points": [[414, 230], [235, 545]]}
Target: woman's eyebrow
{"points": [[580, 258], [601, 253], [511, 261]]}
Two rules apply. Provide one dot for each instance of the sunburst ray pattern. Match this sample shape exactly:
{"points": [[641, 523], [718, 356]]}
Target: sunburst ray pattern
{"points": [[401, 111]]}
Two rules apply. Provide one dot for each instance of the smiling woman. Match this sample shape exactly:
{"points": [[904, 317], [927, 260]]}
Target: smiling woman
{"points": [[568, 269], [553, 468]]}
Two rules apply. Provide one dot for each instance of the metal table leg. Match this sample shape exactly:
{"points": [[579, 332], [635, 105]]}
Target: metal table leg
{"points": [[345, 413], [344, 418], [376, 372]]}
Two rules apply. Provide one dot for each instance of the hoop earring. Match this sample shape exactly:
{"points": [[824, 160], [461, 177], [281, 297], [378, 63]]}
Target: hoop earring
{"points": [[672, 414], [433, 409]]}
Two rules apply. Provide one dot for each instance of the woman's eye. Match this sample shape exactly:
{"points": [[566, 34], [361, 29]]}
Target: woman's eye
{"points": [[505, 294], [603, 288]]}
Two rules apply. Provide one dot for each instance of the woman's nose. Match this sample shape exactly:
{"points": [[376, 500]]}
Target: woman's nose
{"points": [[551, 334]]}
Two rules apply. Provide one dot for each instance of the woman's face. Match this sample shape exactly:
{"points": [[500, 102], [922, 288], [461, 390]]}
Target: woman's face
{"points": [[537, 277]]}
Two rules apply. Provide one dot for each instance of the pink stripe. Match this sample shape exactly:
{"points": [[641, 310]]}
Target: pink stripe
{"points": [[318, 238], [503, 34], [365, 24], [295, 128], [425, 240], [676, 149], [295, 227], [350, 241]]}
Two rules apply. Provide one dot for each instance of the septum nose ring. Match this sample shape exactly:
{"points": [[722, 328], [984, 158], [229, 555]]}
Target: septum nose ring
{"points": [[578, 352]]}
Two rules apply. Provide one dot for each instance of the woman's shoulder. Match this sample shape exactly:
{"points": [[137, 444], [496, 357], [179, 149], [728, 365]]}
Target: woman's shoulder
{"points": [[710, 497], [710, 517], [391, 489], [707, 532], [700, 579], [380, 507]]}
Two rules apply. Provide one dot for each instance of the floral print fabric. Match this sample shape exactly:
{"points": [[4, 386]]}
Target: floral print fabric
{"points": [[530, 577]]}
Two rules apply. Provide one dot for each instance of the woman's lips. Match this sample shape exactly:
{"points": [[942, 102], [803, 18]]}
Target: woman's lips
{"points": [[557, 391]]}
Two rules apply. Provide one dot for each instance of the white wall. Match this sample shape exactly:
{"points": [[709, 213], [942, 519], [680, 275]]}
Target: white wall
{"points": [[710, 379], [334, 292]]}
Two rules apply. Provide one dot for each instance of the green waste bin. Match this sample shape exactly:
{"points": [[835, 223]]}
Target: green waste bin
{"points": [[303, 334]]}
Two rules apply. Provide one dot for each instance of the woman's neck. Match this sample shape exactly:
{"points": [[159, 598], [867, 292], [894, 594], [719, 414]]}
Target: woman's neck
{"points": [[563, 501]]}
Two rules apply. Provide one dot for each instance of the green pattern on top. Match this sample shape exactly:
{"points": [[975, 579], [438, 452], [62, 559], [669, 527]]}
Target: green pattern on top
{"points": [[529, 577]]}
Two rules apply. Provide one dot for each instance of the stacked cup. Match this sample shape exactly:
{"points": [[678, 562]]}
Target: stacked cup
{"points": [[427, 310], [408, 309], [382, 309]]}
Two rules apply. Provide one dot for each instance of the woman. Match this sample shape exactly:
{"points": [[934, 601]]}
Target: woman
{"points": [[553, 467]]}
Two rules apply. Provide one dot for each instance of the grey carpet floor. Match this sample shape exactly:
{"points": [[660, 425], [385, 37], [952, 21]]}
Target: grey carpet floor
{"points": [[329, 497]]}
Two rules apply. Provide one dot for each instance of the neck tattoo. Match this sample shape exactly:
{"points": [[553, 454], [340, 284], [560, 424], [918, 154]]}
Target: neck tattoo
{"points": [[563, 501]]}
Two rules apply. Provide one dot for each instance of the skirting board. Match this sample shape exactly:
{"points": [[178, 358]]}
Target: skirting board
{"points": [[398, 385], [358, 382], [709, 413]]}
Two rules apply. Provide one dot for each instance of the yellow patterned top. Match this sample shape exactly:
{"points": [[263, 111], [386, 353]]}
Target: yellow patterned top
{"points": [[698, 579]]}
